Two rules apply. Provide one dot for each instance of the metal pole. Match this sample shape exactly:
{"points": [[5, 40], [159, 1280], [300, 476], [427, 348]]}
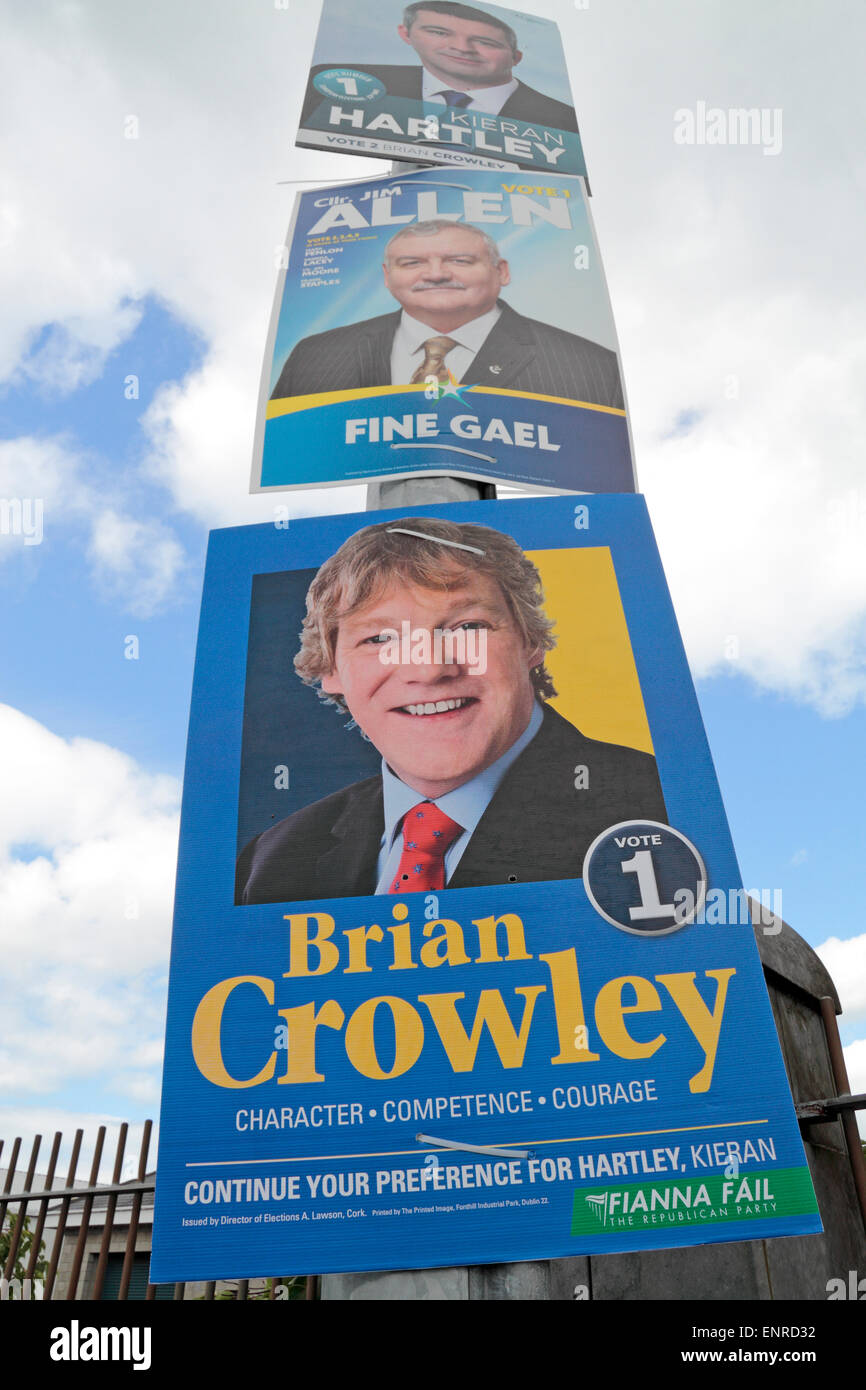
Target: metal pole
{"points": [[843, 1088]]}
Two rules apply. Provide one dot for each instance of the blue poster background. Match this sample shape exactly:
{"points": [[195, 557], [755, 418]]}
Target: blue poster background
{"points": [[487, 427], [353, 40], [263, 1178]]}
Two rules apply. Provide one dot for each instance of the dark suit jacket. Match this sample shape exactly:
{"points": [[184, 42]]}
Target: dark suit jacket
{"points": [[524, 104], [530, 356], [537, 826]]}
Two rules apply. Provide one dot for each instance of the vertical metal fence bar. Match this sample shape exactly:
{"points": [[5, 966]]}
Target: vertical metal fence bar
{"points": [[110, 1209], [50, 1199], [43, 1208], [843, 1088], [62, 1214], [85, 1217], [132, 1234], [10, 1177], [18, 1230]]}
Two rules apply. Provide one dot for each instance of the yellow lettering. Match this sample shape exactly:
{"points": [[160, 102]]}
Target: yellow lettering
{"points": [[300, 942], [402, 934], [705, 1026], [207, 1026], [301, 1025], [488, 950], [462, 1047], [452, 938], [609, 1010], [408, 1037], [568, 1008], [357, 938]]}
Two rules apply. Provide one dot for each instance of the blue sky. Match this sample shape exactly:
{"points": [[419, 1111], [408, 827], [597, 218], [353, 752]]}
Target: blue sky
{"points": [[738, 298]]}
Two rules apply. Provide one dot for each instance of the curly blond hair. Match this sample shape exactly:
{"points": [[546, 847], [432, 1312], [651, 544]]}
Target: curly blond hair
{"points": [[361, 569]]}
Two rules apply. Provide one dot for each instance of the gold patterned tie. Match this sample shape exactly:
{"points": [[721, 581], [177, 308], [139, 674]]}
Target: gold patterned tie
{"points": [[435, 351]]}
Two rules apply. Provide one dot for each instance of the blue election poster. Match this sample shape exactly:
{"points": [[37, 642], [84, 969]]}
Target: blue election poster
{"points": [[460, 969], [466, 85], [437, 321]]}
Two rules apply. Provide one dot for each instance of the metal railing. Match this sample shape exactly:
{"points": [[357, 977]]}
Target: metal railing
{"points": [[77, 1203]]}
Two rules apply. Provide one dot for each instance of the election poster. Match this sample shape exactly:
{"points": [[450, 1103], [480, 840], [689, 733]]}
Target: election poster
{"points": [[460, 969], [462, 85], [442, 322]]}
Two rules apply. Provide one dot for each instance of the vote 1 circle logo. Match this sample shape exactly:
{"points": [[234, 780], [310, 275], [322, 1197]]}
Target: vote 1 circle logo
{"points": [[645, 878], [352, 83]]}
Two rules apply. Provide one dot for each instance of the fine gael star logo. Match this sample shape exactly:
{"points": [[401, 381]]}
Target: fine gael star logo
{"points": [[437, 390]]}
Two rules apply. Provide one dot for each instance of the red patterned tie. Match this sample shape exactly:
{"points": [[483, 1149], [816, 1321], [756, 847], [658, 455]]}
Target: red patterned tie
{"points": [[428, 834]]}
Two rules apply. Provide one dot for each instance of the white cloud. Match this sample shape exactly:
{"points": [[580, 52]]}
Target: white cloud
{"points": [[27, 1121], [88, 845], [728, 271], [732, 273], [846, 962], [49, 493], [141, 555], [74, 353], [190, 211]]}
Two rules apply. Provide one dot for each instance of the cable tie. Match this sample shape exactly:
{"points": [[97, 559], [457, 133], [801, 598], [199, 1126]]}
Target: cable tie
{"points": [[473, 1148]]}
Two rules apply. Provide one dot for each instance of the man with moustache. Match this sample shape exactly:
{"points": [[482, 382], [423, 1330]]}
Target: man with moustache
{"points": [[447, 278], [477, 783]]}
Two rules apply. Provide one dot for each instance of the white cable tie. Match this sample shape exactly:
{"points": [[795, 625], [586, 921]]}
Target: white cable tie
{"points": [[473, 1148], [437, 183], [449, 448], [422, 535]]}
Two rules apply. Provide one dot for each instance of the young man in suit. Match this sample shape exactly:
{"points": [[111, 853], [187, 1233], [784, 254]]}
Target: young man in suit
{"points": [[447, 278], [467, 61], [482, 781]]}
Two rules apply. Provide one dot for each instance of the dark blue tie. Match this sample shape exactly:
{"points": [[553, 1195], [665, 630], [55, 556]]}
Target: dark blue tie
{"points": [[453, 98]]}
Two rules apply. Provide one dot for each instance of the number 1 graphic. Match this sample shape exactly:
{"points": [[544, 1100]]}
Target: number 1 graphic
{"points": [[641, 863]]}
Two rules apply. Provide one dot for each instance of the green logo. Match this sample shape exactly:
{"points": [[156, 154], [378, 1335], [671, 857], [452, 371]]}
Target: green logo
{"points": [[692, 1202]]}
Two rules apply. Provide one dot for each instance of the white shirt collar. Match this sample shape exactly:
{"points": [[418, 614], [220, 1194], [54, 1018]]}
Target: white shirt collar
{"points": [[490, 99], [470, 335]]}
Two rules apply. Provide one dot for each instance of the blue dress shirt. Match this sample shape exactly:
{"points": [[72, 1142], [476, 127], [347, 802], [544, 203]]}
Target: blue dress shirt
{"points": [[465, 805]]}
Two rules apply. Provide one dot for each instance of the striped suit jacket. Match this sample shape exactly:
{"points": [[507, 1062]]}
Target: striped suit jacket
{"points": [[519, 354]]}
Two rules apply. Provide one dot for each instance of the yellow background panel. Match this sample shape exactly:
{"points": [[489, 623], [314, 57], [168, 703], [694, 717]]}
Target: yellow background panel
{"points": [[593, 664]]}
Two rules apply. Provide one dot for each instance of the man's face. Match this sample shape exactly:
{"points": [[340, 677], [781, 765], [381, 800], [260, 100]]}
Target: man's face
{"points": [[446, 275], [482, 715], [465, 53]]}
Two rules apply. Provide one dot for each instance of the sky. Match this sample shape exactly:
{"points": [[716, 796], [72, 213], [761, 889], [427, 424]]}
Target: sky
{"points": [[146, 183]]}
